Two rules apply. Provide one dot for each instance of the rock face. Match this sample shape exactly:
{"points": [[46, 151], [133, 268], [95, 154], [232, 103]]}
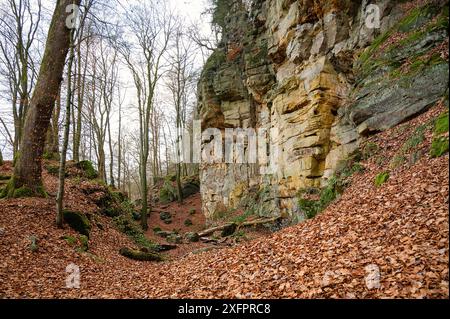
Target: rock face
{"points": [[313, 77]]}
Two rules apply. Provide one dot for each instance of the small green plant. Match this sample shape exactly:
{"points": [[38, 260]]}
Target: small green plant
{"points": [[34, 244], [440, 144], [369, 150], [239, 235], [188, 223], [192, 211], [311, 207], [397, 161], [416, 139], [243, 217], [381, 178], [356, 167]]}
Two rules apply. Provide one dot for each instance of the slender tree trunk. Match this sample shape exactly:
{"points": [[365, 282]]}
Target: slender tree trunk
{"points": [[101, 162], [80, 93], [119, 172], [62, 162], [111, 153], [27, 171], [52, 140]]}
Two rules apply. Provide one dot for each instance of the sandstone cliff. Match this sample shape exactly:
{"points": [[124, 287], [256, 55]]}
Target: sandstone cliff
{"points": [[318, 76]]}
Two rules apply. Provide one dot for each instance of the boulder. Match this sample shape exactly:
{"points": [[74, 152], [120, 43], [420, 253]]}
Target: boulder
{"points": [[78, 222]]}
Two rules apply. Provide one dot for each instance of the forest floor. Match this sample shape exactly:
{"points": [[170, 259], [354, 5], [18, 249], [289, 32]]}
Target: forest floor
{"points": [[400, 229]]}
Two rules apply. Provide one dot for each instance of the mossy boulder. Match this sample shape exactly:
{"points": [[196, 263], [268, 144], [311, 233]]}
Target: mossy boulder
{"points": [[168, 193], [439, 147], [129, 227], [78, 222], [88, 169], [398, 81], [139, 254]]}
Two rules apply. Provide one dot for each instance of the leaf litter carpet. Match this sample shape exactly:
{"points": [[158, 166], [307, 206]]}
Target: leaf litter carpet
{"points": [[373, 242]]}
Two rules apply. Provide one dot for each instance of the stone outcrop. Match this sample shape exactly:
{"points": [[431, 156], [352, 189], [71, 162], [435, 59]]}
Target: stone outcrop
{"points": [[316, 78]]}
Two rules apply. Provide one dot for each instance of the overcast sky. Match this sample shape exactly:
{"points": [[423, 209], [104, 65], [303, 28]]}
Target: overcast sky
{"points": [[191, 10]]}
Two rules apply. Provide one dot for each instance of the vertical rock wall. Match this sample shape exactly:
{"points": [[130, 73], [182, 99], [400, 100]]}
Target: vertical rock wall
{"points": [[288, 67]]}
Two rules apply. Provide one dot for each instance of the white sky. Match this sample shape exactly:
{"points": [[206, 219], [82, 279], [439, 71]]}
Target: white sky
{"points": [[190, 9]]}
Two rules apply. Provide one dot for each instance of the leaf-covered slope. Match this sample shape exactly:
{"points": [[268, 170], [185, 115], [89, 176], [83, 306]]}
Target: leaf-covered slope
{"points": [[400, 227]]}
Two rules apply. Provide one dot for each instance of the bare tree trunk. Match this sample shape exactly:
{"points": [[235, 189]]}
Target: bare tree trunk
{"points": [[27, 171], [80, 97], [119, 160], [111, 153], [62, 162], [52, 140]]}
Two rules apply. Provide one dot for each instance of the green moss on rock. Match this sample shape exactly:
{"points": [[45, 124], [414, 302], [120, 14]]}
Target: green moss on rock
{"points": [[84, 240], [78, 222], [129, 227], [168, 193], [22, 192], [439, 147], [88, 169], [139, 255], [441, 125], [71, 240]]}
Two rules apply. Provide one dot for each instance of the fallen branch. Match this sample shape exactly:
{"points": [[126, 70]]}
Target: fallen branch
{"points": [[139, 255], [260, 221], [212, 230]]}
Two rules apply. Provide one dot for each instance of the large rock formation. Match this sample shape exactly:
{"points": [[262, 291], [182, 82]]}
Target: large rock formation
{"points": [[316, 76]]}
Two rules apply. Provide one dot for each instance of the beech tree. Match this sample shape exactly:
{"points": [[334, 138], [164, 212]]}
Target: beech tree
{"points": [[151, 24], [28, 169], [19, 23], [178, 82]]}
